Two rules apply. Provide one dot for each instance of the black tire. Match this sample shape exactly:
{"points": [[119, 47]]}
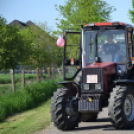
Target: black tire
{"points": [[116, 108], [59, 116], [89, 117], [53, 107]]}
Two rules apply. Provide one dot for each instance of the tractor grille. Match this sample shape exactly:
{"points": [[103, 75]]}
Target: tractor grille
{"points": [[93, 71]]}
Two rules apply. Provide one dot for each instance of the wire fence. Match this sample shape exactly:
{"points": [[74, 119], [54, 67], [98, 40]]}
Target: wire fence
{"points": [[23, 78]]}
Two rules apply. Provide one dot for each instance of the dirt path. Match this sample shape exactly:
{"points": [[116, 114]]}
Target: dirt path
{"points": [[101, 126]]}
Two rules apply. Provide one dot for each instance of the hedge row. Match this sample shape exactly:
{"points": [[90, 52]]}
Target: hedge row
{"points": [[29, 97]]}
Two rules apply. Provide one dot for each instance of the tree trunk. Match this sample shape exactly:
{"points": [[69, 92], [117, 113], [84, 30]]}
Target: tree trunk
{"points": [[48, 73], [23, 76], [60, 73], [41, 74], [53, 73], [37, 72], [12, 79], [58, 69]]}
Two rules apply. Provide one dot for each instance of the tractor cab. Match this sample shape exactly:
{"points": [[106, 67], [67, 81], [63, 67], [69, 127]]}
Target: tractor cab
{"points": [[99, 47], [98, 44]]}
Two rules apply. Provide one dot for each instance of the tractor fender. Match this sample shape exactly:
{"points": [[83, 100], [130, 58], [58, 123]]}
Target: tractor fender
{"points": [[127, 81], [73, 86]]}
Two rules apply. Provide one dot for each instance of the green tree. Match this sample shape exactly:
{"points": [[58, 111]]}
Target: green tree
{"points": [[43, 46], [57, 55], [2, 21], [28, 41], [81, 12], [11, 48], [131, 12]]}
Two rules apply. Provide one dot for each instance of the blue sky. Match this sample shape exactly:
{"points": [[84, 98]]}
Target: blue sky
{"points": [[44, 10]]}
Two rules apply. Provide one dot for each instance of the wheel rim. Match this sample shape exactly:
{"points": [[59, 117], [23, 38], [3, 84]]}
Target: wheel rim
{"points": [[69, 111], [129, 107], [72, 117]]}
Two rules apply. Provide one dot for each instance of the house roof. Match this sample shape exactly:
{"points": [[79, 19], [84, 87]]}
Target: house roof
{"points": [[29, 23], [21, 24]]}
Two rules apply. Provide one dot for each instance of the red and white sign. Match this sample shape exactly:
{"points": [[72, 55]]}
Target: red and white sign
{"points": [[92, 79]]}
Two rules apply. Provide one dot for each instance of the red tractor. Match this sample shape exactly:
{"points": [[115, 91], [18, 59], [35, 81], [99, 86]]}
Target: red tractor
{"points": [[100, 58]]}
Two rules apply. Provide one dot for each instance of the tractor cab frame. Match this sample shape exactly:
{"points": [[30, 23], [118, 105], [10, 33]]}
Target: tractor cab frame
{"points": [[86, 53], [101, 59], [97, 29]]}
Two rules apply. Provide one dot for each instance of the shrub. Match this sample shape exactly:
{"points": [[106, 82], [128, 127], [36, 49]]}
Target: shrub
{"points": [[29, 97]]}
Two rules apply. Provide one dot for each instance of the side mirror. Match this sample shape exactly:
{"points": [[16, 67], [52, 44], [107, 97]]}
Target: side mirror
{"points": [[66, 62], [69, 62], [77, 62]]}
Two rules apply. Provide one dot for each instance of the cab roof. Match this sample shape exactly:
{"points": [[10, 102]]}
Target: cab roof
{"points": [[108, 24]]}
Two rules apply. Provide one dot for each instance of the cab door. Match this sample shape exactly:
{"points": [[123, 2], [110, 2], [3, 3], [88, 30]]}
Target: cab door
{"points": [[71, 57], [129, 43]]}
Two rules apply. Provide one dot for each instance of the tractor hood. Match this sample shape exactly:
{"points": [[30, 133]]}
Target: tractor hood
{"points": [[109, 67]]}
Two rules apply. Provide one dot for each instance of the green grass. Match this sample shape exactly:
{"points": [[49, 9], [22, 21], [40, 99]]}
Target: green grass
{"points": [[27, 98], [6, 87], [27, 122], [6, 78]]}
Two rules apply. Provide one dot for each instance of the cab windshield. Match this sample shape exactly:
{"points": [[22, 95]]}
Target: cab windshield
{"points": [[109, 45]]}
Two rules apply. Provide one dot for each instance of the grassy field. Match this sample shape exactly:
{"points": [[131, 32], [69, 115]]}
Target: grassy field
{"points": [[27, 98], [6, 86], [6, 78], [13, 119], [27, 122]]}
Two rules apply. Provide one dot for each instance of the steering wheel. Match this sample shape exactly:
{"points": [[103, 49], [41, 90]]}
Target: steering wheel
{"points": [[109, 48]]}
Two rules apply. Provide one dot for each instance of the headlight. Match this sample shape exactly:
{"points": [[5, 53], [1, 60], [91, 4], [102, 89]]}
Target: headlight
{"points": [[86, 86], [97, 86]]}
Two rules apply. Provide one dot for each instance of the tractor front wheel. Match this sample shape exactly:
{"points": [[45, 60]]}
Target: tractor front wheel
{"points": [[64, 109], [121, 106]]}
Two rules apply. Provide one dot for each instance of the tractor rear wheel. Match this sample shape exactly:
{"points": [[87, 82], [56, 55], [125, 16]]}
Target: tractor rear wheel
{"points": [[89, 117], [64, 109], [121, 106]]}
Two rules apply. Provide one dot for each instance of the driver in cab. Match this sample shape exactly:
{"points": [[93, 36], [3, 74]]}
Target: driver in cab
{"points": [[111, 48]]}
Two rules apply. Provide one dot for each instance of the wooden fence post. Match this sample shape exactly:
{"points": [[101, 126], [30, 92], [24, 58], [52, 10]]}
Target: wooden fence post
{"points": [[12, 80], [37, 72], [53, 73], [60, 73], [23, 77], [41, 74], [48, 72]]}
